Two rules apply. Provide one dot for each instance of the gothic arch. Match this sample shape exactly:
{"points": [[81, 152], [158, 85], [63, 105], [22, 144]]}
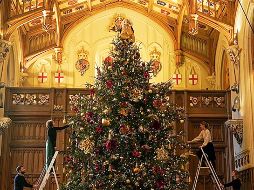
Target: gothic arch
{"points": [[121, 5]]}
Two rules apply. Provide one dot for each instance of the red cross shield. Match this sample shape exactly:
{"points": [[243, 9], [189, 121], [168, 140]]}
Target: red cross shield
{"points": [[177, 78], [42, 77], [193, 79], [59, 77]]}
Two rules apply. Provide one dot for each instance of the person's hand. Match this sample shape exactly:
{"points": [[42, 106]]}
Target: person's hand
{"points": [[189, 142]]}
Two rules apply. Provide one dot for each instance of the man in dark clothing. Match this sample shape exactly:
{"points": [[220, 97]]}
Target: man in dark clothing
{"points": [[19, 180], [236, 183]]}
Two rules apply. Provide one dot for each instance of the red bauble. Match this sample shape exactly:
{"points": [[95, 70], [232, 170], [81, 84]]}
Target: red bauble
{"points": [[99, 129], [110, 145], [157, 103], [146, 75], [108, 59], [136, 154], [109, 83], [156, 125], [92, 92], [160, 184], [158, 170], [124, 104]]}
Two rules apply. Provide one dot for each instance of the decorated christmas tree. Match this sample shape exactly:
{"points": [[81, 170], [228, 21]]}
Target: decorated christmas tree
{"points": [[123, 134]]}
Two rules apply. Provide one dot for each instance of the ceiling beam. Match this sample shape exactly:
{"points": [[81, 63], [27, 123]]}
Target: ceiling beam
{"points": [[16, 22], [180, 24], [58, 23], [150, 5], [89, 4], [225, 29]]}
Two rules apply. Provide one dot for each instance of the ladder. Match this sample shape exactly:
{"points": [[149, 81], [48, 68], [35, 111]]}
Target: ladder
{"points": [[42, 181], [209, 166]]}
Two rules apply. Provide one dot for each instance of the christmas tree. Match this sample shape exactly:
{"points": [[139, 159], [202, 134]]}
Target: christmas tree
{"points": [[123, 134]]}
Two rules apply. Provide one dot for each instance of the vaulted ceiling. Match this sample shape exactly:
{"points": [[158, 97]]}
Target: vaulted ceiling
{"points": [[207, 18]]}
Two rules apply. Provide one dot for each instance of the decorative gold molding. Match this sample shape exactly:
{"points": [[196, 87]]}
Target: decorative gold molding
{"points": [[5, 122], [236, 126], [4, 49]]}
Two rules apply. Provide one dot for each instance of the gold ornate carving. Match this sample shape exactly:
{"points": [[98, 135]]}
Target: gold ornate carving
{"points": [[82, 63], [193, 24], [4, 49], [46, 20], [155, 58], [206, 100], [234, 53], [236, 126], [5, 122], [58, 107], [211, 80]]}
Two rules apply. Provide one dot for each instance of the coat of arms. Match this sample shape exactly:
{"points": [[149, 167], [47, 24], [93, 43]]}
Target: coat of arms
{"points": [[155, 59], [82, 63]]}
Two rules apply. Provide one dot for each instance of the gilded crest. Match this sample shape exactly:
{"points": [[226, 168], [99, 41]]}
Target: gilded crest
{"points": [[156, 64], [82, 63]]}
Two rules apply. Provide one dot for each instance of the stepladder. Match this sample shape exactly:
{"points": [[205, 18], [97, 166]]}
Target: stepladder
{"points": [[208, 165], [46, 172]]}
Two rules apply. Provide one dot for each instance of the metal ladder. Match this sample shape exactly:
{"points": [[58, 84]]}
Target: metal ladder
{"points": [[42, 181], [209, 165]]}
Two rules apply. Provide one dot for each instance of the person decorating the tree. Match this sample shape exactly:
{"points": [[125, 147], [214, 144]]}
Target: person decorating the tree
{"points": [[236, 183], [51, 140], [207, 145]]}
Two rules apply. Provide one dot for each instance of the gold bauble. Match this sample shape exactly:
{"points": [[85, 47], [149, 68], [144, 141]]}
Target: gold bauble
{"points": [[128, 181], [123, 111], [162, 154], [86, 145], [107, 111], [182, 121], [136, 170], [105, 122]]}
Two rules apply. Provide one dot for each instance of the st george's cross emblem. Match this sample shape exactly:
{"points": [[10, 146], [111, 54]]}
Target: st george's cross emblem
{"points": [[193, 77], [43, 75], [177, 77]]}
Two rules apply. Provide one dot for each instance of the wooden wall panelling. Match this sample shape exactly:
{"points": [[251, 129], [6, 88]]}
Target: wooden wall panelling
{"points": [[27, 146], [4, 160], [28, 132], [217, 128]]}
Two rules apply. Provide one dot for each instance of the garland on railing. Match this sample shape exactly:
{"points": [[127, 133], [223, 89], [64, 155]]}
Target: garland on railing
{"points": [[5, 122]]}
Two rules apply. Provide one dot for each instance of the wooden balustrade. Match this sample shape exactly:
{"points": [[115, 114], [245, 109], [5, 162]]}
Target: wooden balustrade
{"points": [[57, 101]]}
